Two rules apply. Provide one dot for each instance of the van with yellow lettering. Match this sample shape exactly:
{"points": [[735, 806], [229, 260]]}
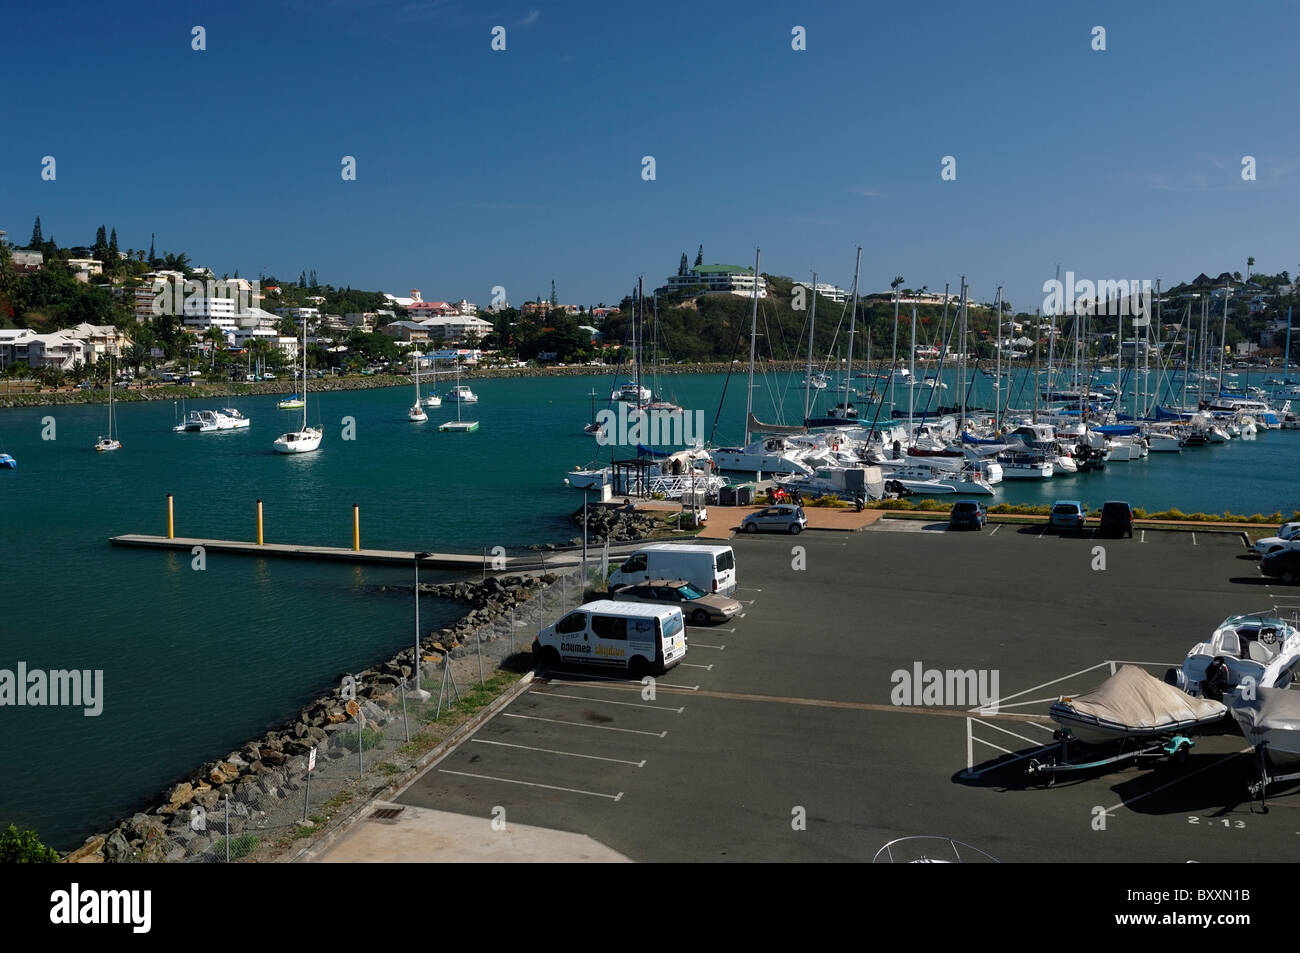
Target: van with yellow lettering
{"points": [[640, 638]]}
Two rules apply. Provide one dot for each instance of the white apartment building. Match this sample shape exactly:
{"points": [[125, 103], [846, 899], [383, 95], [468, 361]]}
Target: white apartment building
{"points": [[456, 328], [728, 279], [829, 292], [86, 266]]}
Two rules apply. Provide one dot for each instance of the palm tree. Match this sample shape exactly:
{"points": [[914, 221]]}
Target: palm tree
{"points": [[1250, 263], [135, 356]]}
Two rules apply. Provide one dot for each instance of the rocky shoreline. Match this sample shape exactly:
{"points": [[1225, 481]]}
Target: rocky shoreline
{"points": [[275, 765], [205, 391]]}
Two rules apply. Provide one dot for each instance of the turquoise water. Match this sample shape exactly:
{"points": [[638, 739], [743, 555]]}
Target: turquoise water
{"points": [[196, 663]]}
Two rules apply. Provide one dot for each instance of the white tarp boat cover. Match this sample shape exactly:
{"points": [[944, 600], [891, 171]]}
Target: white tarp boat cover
{"points": [[1138, 700], [1272, 717]]}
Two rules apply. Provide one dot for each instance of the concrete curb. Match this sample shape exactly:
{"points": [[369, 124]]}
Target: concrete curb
{"points": [[390, 791]]}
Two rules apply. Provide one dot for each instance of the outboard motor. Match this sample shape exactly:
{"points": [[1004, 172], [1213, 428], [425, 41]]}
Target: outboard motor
{"points": [[1216, 679], [898, 450]]}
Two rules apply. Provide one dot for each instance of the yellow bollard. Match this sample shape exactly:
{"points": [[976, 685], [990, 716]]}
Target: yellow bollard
{"points": [[356, 528], [259, 522], [171, 522]]}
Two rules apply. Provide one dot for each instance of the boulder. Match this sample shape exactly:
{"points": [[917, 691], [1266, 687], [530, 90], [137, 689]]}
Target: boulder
{"points": [[87, 853], [116, 848], [223, 773]]}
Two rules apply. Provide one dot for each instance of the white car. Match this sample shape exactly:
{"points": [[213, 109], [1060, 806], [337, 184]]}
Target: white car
{"points": [[1288, 537]]}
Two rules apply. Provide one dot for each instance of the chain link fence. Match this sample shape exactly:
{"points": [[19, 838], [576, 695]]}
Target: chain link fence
{"points": [[259, 801]]}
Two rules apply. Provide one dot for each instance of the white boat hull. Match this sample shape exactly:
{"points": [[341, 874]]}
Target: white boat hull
{"points": [[299, 441]]}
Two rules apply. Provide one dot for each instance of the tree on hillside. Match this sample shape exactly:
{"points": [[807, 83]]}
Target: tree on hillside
{"points": [[896, 282], [112, 247], [302, 279], [1250, 263], [313, 283], [99, 251], [153, 259], [37, 241], [554, 300], [699, 257], [683, 267]]}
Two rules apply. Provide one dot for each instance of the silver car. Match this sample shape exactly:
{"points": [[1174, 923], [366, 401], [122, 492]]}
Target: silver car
{"points": [[781, 518]]}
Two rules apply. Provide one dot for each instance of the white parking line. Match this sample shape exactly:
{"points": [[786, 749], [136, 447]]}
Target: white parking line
{"points": [[747, 589], [605, 701], [533, 784], [707, 668], [703, 645], [710, 628], [1043, 533], [583, 724], [623, 683], [1193, 538], [995, 530], [748, 602], [1144, 536], [571, 754]]}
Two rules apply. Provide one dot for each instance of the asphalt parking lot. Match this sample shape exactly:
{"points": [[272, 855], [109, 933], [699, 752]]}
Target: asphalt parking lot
{"points": [[778, 738]]}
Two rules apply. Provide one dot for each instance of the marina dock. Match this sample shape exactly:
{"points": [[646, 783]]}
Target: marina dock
{"points": [[467, 562]]}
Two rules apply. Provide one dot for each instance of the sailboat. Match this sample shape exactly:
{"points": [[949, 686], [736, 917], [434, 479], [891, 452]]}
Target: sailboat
{"points": [[105, 444], [458, 425], [431, 399], [308, 438], [416, 414], [593, 428]]}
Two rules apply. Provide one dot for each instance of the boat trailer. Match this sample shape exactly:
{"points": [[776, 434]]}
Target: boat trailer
{"points": [[1174, 747]]}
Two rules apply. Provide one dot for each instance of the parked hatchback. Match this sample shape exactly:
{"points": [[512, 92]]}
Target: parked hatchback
{"points": [[697, 605], [1067, 514], [782, 518], [1116, 519], [1283, 564], [967, 514]]}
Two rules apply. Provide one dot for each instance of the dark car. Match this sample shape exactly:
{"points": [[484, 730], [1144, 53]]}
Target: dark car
{"points": [[967, 514], [1284, 564], [1116, 519]]}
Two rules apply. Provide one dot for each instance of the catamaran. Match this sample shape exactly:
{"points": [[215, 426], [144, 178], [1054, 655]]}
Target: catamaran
{"points": [[211, 421], [308, 438], [105, 444], [456, 394]]}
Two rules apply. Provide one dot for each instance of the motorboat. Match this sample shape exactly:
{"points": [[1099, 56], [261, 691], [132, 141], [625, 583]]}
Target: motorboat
{"points": [[848, 483], [462, 394], [1026, 466], [211, 421], [1132, 705], [1270, 719], [922, 479], [1164, 441], [1246, 652]]}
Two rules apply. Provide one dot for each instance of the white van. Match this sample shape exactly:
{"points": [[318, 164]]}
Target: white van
{"points": [[711, 568], [632, 635]]}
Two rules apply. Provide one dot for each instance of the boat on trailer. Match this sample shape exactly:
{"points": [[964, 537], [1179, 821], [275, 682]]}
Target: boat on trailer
{"points": [[1131, 716]]}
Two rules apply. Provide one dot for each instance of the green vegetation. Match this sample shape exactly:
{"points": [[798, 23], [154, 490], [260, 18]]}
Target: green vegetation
{"points": [[241, 845], [24, 847]]}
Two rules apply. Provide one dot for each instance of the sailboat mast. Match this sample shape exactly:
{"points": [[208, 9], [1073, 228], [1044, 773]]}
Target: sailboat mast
{"points": [[1037, 330], [997, 389], [812, 323], [753, 335], [1223, 337], [911, 389], [638, 333], [1286, 358], [961, 422], [1051, 337], [853, 324]]}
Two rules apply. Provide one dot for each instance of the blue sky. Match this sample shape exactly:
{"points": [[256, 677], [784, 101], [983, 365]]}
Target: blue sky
{"points": [[478, 168]]}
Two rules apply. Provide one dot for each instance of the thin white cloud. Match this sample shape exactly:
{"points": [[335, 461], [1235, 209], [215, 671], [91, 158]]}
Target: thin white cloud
{"points": [[529, 20], [867, 192]]}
